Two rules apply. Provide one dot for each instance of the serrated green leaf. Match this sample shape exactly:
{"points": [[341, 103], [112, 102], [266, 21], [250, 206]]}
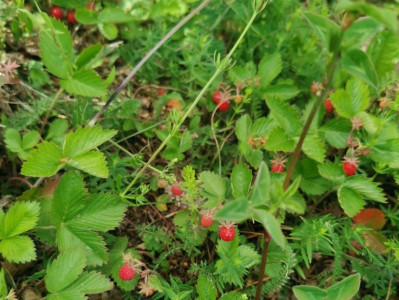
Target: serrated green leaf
{"points": [[66, 295], [384, 57], [366, 187], [285, 115], [21, 217], [314, 148], [88, 58], [281, 91], [260, 193], [261, 127], [336, 132], [44, 161], [86, 16], [236, 211], [102, 212], [65, 270], [331, 171], [269, 67], [56, 47], [92, 162], [232, 296], [30, 139], [206, 289], [272, 226], [241, 178], [18, 249], [85, 83], [243, 125], [68, 199], [3, 286], [358, 64], [254, 157], [90, 283], [13, 140], [311, 182], [369, 122], [350, 201], [385, 151], [57, 129], [69, 237], [114, 15], [279, 141], [86, 139], [213, 185]]}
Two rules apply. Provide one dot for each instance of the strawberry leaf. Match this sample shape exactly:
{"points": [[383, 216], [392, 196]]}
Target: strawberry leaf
{"points": [[241, 178], [85, 83], [350, 201], [371, 217], [92, 162], [18, 249]]}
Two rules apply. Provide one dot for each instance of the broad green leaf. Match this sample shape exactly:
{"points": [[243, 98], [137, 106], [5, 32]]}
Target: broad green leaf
{"points": [[369, 122], [18, 249], [86, 16], [282, 91], [206, 289], [292, 189], [385, 52], [21, 217], [279, 141], [385, 151], [57, 129], [366, 187], [241, 178], [92, 162], [114, 15], [311, 183], [243, 125], [350, 201], [85, 83], [261, 127], [101, 212], [37, 166], [69, 3], [238, 74], [254, 157], [236, 211], [56, 47], [345, 289], [351, 101], [314, 148], [186, 141], [111, 77], [85, 139], [214, 186], [307, 292], [260, 193], [232, 296], [336, 132], [359, 32], [272, 226], [30, 139], [90, 283], [69, 237], [65, 270], [285, 115], [269, 67], [88, 58], [3, 286], [358, 64], [66, 295], [13, 140], [295, 204], [69, 198], [109, 31], [327, 31], [331, 171]]}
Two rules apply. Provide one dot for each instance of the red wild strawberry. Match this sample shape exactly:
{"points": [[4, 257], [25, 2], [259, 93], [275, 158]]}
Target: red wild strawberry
{"points": [[227, 231], [328, 106], [91, 6], [224, 106], [350, 165], [207, 218], [56, 12], [126, 272], [160, 92], [217, 97], [71, 17], [176, 190], [278, 164]]}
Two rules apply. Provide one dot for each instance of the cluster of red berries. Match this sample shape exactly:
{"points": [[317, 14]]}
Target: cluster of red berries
{"points": [[226, 229], [221, 100], [57, 13]]}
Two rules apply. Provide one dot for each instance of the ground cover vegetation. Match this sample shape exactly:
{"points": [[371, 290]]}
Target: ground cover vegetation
{"points": [[252, 153]]}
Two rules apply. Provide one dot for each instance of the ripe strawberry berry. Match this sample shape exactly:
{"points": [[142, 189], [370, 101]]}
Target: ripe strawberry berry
{"points": [[56, 12], [207, 218], [176, 190], [126, 272], [71, 17], [227, 231], [278, 164], [224, 106], [217, 97], [328, 106], [91, 6], [350, 165], [160, 92]]}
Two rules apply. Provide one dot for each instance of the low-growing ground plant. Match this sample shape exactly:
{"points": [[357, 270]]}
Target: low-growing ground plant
{"points": [[199, 150]]}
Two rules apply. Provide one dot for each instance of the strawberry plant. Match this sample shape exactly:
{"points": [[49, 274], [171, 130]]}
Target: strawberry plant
{"points": [[199, 149]]}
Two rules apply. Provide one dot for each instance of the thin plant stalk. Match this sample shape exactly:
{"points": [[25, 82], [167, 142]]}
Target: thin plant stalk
{"points": [[220, 68]]}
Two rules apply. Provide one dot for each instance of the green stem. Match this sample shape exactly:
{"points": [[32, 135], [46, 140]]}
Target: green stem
{"points": [[193, 105]]}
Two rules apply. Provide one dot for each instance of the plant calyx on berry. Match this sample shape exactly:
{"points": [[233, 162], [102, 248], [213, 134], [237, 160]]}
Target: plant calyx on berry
{"points": [[227, 231], [207, 218], [349, 165]]}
